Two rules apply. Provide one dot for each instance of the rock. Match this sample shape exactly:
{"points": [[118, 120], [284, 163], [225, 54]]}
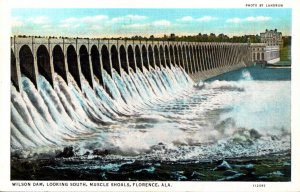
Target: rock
{"points": [[276, 174], [230, 173], [249, 167], [68, 152], [178, 176], [86, 153], [197, 175], [254, 134], [100, 152], [235, 177], [224, 166]]}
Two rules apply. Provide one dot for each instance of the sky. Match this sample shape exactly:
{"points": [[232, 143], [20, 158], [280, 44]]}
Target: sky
{"points": [[126, 22]]}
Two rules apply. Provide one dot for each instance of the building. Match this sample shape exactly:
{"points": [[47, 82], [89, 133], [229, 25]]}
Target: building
{"points": [[261, 52], [271, 38]]}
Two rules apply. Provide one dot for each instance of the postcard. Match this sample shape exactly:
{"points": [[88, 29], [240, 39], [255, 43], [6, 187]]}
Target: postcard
{"points": [[136, 96]]}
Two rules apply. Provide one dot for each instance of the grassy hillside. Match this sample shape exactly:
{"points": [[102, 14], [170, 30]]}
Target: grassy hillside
{"points": [[285, 53]]}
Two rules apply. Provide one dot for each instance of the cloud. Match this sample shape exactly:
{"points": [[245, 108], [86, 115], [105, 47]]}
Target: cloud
{"points": [[76, 22], [206, 18], [234, 20], [38, 20], [136, 26], [200, 19], [127, 18], [258, 18], [17, 22], [186, 18], [161, 23], [248, 19]]}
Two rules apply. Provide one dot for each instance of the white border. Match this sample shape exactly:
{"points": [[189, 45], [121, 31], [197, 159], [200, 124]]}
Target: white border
{"points": [[6, 5]]}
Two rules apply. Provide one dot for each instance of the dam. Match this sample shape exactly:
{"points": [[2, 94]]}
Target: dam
{"points": [[103, 109], [84, 58]]}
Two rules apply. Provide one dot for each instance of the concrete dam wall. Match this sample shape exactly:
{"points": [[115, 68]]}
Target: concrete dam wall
{"points": [[86, 58]]}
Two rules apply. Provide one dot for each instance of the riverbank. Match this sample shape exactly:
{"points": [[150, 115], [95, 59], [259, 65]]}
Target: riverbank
{"points": [[272, 167]]}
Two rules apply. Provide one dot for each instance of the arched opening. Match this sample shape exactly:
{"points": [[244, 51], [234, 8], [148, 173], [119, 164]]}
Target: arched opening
{"points": [[217, 59], [180, 57], [13, 70], [185, 65], [59, 62], [151, 59], [95, 57], [105, 60], [156, 56], [253, 57], [172, 55], [193, 63], [226, 55], [176, 56], [262, 56], [85, 64], [145, 57], [200, 67], [162, 56], [258, 56], [131, 58], [167, 56], [189, 65], [43, 61], [123, 59], [27, 64], [196, 63], [204, 58], [115, 59], [73, 64], [208, 52], [138, 58], [212, 56]]}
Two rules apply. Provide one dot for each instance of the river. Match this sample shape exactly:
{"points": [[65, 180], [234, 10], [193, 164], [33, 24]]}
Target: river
{"points": [[155, 126]]}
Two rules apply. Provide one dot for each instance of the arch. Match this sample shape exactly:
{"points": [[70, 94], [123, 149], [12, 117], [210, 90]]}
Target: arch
{"points": [[218, 49], [176, 56], [180, 57], [13, 70], [59, 62], [123, 59], [105, 59], [167, 56], [138, 58], [258, 56], [73, 64], [85, 64], [203, 53], [115, 59], [212, 55], [208, 51], [193, 63], [262, 56], [189, 63], [151, 58], [27, 64], [131, 58], [43, 63], [200, 67], [172, 55], [97, 69], [145, 57], [184, 59], [156, 56], [162, 56]]}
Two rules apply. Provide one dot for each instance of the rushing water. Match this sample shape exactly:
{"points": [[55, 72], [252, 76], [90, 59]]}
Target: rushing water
{"points": [[159, 116]]}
